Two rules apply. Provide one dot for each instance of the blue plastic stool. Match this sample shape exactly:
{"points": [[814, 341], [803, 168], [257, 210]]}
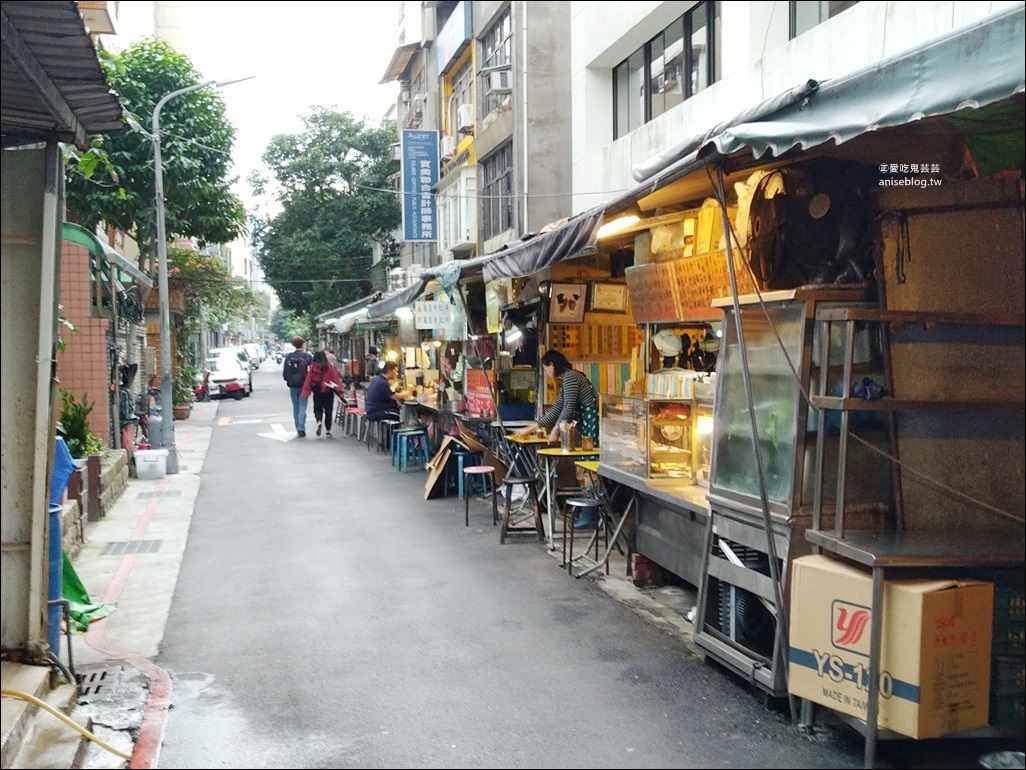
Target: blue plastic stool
{"points": [[411, 443], [463, 457]]}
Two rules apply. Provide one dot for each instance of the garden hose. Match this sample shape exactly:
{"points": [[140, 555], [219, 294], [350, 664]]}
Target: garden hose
{"points": [[70, 722]]}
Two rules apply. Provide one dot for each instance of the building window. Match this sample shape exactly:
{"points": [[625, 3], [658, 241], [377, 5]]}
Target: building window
{"points": [[462, 93], [496, 54], [806, 14], [497, 192], [674, 65]]}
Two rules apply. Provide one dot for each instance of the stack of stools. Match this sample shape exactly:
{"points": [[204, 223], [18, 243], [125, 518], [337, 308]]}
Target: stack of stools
{"points": [[410, 443], [486, 474], [572, 508], [1008, 659], [530, 483]]}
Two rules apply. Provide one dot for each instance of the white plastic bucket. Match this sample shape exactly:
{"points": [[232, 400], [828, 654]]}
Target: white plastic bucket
{"points": [[151, 463]]}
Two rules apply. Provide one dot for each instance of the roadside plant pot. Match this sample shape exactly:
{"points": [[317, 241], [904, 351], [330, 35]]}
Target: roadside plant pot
{"points": [[181, 412]]}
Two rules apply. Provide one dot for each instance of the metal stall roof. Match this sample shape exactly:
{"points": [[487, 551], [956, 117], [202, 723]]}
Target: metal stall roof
{"points": [[51, 83], [970, 68]]}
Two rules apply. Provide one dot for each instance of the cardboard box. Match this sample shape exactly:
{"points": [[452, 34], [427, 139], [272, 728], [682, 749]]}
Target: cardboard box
{"points": [[935, 651]]}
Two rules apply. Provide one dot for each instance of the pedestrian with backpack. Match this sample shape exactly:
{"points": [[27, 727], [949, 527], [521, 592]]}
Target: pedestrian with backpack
{"points": [[293, 371], [322, 381]]}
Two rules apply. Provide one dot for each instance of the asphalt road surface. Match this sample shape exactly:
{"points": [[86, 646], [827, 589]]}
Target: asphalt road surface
{"points": [[326, 615]]}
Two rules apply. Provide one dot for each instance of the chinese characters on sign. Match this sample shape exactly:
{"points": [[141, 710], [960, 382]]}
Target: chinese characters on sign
{"points": [[419, 175], [432, 315], [653, 292], [702, 279]]}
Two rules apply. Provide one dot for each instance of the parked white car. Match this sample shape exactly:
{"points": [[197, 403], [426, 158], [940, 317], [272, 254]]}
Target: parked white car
{"points": [[255, 353], [229, 377], [232, 351]]}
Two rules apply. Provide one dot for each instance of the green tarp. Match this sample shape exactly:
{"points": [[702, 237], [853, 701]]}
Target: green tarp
{"points": [[80, 606]]}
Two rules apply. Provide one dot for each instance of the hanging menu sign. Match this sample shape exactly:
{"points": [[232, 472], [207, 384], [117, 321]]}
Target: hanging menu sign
{"points": [[432, 314], [479, 385], [702, 278], [653, 292]]}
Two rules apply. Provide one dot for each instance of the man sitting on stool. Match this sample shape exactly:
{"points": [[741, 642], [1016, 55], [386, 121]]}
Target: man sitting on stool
{"points": [[381, 403]]}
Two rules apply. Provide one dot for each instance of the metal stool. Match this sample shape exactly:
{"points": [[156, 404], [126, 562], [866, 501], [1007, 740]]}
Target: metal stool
{"points": [[486, 474], [382, 433], [355, 422], [572, 507], [531, 482]]}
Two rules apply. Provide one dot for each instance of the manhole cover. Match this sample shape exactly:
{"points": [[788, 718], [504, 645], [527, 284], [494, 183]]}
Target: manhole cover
{"points": [[98, 682]]}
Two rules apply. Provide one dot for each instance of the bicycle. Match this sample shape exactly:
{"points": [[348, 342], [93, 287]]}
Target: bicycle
{"points": [[149, 404], [129, 304]]}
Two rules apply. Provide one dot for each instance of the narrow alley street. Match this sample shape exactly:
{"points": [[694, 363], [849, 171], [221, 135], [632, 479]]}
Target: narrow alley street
{"points": [[326, 615]]}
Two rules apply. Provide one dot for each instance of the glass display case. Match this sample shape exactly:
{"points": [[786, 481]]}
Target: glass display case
{"points": [[623, 434], [648, 438], [702, 422], [775, 395], [669, 447]]}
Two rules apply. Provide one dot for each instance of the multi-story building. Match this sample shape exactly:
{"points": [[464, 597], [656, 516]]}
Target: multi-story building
{"points": [[467, 70], [546, 110]]}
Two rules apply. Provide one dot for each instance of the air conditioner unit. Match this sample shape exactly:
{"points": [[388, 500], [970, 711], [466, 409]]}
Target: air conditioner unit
{"points": [[404, 95], [395, 151], [500, 82], [465, 119], [447, 147]]}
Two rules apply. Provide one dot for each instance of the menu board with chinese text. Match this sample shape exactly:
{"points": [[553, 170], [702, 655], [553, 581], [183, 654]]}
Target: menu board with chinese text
{"points": [[653, 292], [479, 384], [702, 278]]}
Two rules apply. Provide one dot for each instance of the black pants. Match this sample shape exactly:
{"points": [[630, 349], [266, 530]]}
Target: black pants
{"points": [[322, 403]]}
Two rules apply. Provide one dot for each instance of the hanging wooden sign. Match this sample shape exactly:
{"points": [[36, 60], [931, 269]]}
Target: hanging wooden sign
{"points": [[653, 292], [702, 278]]}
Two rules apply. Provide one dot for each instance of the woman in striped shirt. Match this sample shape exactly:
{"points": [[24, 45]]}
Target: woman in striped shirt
{"points": [[577, 401]]}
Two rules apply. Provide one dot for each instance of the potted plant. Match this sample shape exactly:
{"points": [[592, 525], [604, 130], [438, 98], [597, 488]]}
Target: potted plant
{"points": [[182, 393], [73, 426]]}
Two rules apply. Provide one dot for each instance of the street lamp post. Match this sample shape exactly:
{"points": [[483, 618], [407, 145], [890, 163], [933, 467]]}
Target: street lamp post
{"points": [[167, 425]]}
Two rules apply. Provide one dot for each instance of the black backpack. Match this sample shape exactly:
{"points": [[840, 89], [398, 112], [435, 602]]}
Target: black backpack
{"points": [[295, 368]]}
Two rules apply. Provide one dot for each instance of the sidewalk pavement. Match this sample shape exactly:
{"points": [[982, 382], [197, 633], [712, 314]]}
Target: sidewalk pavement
{"points": [[129, 706]]}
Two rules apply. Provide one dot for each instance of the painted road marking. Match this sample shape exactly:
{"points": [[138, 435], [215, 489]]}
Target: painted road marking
{"points": [[279, 434]]}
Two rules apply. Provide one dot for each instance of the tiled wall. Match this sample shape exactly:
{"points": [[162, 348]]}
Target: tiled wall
{"points": [[83, 366]]}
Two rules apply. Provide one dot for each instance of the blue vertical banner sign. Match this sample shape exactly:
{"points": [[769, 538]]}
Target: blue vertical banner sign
{"points": [[420, 174]]}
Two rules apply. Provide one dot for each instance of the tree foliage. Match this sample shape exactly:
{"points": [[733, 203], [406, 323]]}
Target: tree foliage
{"points": [[212, 297], [211, 293], [196, 143], [336, 201], [285, 325]]}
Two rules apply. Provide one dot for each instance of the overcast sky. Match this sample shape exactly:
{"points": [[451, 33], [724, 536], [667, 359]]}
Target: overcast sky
{"points": [[302, 54]]}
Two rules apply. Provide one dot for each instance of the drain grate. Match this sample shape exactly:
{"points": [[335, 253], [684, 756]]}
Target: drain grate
{"points": [[161, 493], [98, 682], [131, 546]]}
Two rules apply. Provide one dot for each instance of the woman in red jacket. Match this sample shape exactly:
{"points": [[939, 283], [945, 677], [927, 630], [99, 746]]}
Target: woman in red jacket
{"points": [[321, 380]]}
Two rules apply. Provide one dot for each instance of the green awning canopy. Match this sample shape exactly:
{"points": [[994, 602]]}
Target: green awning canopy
{"points": [[75, 233]]}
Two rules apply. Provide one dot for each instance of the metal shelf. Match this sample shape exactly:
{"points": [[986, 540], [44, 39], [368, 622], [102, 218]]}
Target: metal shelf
{"points": [[885, 551], [915, 405], [910, 550]]}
